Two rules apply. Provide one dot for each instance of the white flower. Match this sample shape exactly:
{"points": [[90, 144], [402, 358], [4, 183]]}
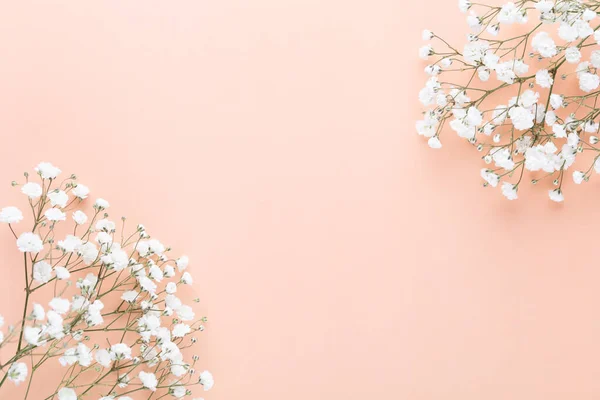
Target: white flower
{"points": [[186, 278], [169, 271], [11, 215], [578, 177], [559, 131], [38, 312], [101, 204], [148, 380], [588, 15], [434, 142], [550, 118], [180, 330], [543, 78], [17, 372], [542, 157], [595, 58], [58, 198], [464, 5], [556, 195], [568, 32], [67, 394], [521, 118], [490, 177], [79, 217], [81, 191], [572, 55], [544, 6], [32, 190], [69, 244], [474, 52], [427, 35], [146, 284], [120, 351], [156, 273], [59, 305], [47, 170], [510, 14], [502, 158], [103, 358], [528, 98], [32, 335], [129, 296], [556, 101], [89, 252], [178, 391], [42, 272], [185, 313], [544, 44], [474, 23], [425, 52], [588, 82], [105, 225], [206, 380], [182, 262], [509, 191], [171, 288], [54, 214], [30, 243]]}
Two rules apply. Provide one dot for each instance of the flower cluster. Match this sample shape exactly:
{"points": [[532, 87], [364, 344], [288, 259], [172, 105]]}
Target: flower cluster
{"points": [[101, 304], [527, 100]]}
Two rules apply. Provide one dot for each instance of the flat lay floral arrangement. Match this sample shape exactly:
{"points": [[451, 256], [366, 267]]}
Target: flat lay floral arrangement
{"points": [[99, 302], [522, 89]]}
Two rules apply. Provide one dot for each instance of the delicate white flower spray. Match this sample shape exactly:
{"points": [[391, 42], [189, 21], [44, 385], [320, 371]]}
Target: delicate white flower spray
{"points": [[553, 48], [100, 303]]}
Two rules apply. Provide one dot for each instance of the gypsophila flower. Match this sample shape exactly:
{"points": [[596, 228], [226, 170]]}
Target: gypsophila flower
{"points": [[67, 394], [81, 191], [556, 195], [17, 372], [11, 215], [148, 380], [206, 379], [29, 242], [32, 190], [42, 272], [101, 204], [55, 214], [47, 170], [103, 280], [79, 217], [543, 78], [490, 96], [58, 198]]}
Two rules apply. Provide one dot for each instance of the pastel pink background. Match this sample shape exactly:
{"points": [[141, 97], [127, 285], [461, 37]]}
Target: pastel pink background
{"points": [[336, 255]]}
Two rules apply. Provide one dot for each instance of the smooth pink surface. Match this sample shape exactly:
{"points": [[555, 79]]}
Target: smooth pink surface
{"points": [[336, 255]]}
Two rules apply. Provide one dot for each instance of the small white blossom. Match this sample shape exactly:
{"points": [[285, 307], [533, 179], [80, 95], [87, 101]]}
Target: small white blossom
{"points": [[79, 217], [54, 214], [58, 198], [17, 372], [42, 272], [206, 380], [67, 394], [148, 380], [81, 191], [11, 215], [32, 190], [47, 170], [30, 243]]}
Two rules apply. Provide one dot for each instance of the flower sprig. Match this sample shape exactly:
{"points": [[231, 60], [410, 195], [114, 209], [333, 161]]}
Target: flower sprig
{"points": [[101, 304], [539, 125]]}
